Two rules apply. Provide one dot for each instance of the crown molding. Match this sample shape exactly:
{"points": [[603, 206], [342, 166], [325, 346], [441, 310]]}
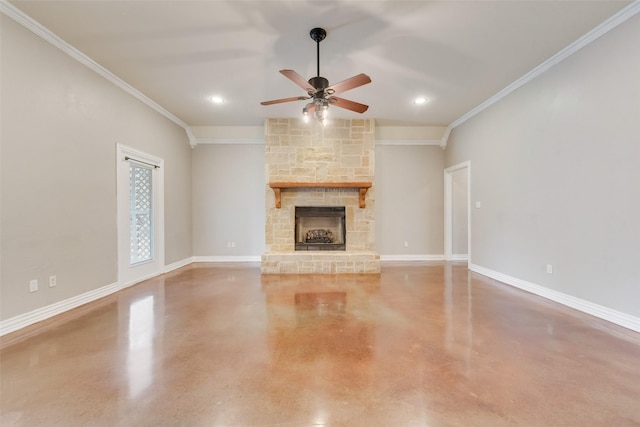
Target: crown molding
{"points": [[26, 21], [38, 29], [193, 141], [228, 141], [602, 29], [445, 137]]}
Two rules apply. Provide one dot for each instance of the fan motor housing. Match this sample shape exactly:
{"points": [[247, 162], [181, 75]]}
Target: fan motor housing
{"points": [[320, 83]]}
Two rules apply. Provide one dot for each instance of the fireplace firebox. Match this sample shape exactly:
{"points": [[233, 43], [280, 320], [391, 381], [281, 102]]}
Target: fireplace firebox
{"points": [[320, 228]]}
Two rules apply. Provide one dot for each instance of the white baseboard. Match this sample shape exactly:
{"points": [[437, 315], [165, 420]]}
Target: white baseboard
{"points": [[421, 257], [43, 313], [248, 258], [178, 264], [138, 280], [23, 320], [167, 268], [605, 313], [602, 312], [459, 257]]}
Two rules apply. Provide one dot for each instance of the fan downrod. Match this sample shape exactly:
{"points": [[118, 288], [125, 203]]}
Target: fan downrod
{"points": [[318, 34]]}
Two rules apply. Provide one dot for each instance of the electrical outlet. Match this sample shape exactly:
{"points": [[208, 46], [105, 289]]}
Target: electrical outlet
{"points": [[406, 244], [549, 269], [33, 285], [233, 244], [53, 281]]}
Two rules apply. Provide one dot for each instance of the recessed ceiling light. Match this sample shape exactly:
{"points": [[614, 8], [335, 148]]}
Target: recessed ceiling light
{"points": [[217, 99], [420, 100]]}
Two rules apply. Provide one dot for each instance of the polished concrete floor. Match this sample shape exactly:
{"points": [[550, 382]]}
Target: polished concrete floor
{"points": [[419, 345]]}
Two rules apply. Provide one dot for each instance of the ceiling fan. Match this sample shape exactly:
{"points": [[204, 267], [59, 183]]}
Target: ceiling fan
{"points": [[318, 89]]}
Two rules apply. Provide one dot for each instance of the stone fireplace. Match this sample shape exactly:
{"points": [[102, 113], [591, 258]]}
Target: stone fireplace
{"points": [[319, 168]]}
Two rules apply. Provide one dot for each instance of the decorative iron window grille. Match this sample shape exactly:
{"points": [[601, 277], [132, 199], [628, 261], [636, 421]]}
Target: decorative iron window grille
{"points": [[140, 213]]}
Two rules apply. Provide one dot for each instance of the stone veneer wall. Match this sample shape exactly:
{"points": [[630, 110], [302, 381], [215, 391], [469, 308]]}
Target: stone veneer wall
{"points": [[344, 151]]}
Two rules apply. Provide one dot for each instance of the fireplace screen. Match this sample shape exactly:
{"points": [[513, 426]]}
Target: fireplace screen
{"points": [[320, 228]]}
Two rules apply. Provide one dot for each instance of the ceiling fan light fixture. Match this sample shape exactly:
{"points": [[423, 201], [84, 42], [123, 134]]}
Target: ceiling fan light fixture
{"points": [[321, 114], [318, 89], [321, 104], [305, 112], [319, 108]]}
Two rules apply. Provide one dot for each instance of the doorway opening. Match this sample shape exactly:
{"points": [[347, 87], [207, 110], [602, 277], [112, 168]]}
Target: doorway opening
{"points": [[457, 218]]}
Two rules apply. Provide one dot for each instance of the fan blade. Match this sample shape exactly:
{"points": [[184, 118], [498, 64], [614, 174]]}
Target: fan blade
{"points": [[280, 101], [349, 105], [299, 80], [350, 83]]}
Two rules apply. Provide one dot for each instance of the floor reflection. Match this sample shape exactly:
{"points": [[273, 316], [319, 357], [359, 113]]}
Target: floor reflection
{"points": [[321, 336], [315, 318], [142, 311], [140, 355]]}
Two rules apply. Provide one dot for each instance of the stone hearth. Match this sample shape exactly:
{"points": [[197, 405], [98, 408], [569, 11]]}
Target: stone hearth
{"points": [[336, 155]]}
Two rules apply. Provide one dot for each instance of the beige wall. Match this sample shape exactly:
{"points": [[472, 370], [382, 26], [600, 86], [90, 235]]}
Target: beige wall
{"points": [[556, 168], [60, 125], [414, 134], [410, 200], [228, 200]]}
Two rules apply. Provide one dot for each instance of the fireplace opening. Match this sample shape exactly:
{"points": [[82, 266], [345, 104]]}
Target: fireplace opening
{"points": [[320, 228]]}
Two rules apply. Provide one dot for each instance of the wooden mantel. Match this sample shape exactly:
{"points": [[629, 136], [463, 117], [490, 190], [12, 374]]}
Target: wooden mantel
{"points": [[361, 186]]}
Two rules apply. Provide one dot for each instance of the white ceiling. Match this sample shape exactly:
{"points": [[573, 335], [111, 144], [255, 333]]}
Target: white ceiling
{"points": [[457, 53]]}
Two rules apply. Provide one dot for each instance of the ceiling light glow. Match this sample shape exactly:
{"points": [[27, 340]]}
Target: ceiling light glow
{"points": [[217, 99], [421, 100]]}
